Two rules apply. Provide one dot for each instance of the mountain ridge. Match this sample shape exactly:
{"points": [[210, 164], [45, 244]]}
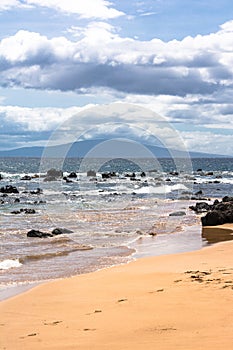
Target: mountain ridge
{"points": [[84, 148]]}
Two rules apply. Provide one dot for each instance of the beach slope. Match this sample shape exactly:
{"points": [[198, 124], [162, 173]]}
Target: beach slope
{"points": [[182, 301]]}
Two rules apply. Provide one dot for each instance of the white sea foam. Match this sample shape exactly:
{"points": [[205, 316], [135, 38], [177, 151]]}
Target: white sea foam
{"points": [[9, 263], [161, 189]]}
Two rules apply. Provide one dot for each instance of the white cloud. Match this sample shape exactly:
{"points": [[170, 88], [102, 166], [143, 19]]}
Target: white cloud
{"points": [[86, 9], [9, 4], [119, 120], [100, 57], [209, 142], [37, 119]]}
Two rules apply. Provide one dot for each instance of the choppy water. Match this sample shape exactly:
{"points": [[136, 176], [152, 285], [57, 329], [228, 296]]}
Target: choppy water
{"points": [[112, 219]]}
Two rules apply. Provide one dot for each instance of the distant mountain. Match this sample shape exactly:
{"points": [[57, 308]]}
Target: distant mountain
{"points": [[103, 149]]}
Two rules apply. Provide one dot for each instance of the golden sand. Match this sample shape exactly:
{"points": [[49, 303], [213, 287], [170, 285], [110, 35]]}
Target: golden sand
{"points": [[181, 301]]}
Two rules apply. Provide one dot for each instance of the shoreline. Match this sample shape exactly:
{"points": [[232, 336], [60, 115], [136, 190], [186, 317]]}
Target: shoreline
{"points": [[170, 302], [142, 247]]}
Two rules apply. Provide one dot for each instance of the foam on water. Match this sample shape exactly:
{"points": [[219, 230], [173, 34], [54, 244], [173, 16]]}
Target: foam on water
{"points": [[9, 264]]}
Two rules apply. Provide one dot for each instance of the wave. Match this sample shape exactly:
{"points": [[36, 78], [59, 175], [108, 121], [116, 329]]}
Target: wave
{"points": [[161, 189], [36, 257], [9, 263]]}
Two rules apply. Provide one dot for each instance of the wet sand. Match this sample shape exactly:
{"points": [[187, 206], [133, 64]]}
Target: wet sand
{"points": [[181, 301]]}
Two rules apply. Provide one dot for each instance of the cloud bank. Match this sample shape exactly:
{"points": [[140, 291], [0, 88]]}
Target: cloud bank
{"points": [[100, 9], [188, 81], [101, 58]]}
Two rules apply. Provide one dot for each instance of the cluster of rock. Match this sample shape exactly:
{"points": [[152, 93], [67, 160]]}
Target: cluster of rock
{"points": [[55, 232], [9, 189], [218, 213], [24, 210]]}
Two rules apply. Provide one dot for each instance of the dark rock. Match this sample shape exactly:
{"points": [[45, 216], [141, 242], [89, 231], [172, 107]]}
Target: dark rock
{"points": [[37, 191], [178, 213], [213, 218], [198, 193], [38, 234], [26, 178], [198, 170], [134, 179], [106, 176], [60, 231], [67, 180], [143, 174], [1, 177], [91, 173], [29, 211], [2, 201], [198, 198], [72, 175], [174, 173], [54, 173], [200, 207], [216, 182], [39, 202], [209, 173], [26, 211], [220, 213], [17, 200], [227, 199], [168, 180], [9, 189]]}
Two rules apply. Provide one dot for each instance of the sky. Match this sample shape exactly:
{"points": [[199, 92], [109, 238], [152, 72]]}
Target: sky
{"points": [[58, 58]]}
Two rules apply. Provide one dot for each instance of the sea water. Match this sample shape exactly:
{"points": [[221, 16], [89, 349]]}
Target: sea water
{"points": [[113, 219]]}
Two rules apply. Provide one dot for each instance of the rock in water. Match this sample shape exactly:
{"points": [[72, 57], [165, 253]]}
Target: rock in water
{"points": [[91, 173], [60, 231], [38, 234], [9, 189], [178, 213], [72, 175]]}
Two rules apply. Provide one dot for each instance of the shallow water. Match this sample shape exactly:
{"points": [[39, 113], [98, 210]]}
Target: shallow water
{"points": [[113, 220]]}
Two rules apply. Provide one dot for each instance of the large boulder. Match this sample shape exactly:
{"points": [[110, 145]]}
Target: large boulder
{"points": [[53, 175], [220, 213]]}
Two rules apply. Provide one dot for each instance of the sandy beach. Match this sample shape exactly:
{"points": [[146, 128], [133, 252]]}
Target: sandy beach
{"points": [[182, 301]]}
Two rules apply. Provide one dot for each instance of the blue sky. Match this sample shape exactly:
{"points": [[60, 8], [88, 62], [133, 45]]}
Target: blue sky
{"points": [[57, 57]]}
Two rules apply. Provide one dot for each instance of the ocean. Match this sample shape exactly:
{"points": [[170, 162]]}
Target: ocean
{"points": [[118, 213]]}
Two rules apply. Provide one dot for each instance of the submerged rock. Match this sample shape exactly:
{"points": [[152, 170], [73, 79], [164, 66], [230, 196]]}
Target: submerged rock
{"points": [[37, 191], [55, 232], [22, 210], [60, 231], [178, 213]]}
